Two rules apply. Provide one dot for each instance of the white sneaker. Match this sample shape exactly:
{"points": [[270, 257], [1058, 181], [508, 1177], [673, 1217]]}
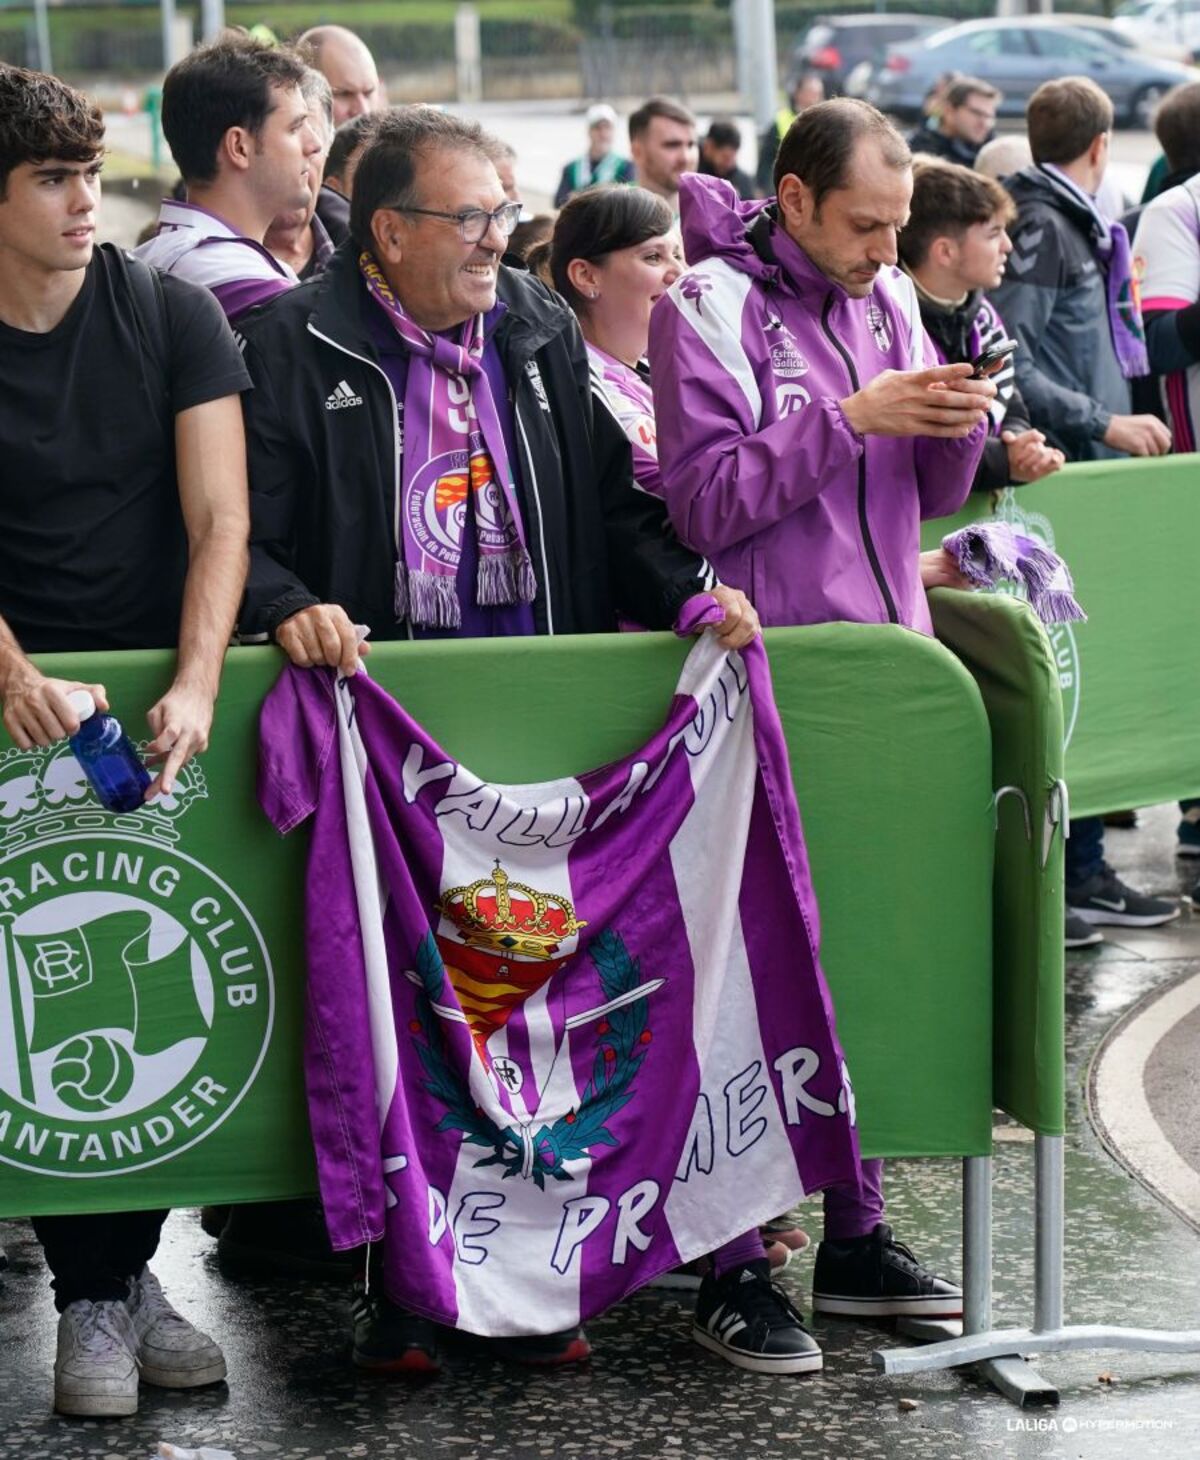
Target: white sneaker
{"points": [[95, 1372], [170, 1352]]}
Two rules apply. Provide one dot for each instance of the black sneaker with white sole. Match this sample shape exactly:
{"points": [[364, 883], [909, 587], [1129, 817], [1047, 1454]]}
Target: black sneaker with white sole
{"points": [[877, 1277], [750, 1322], [1106, 900], [1079, 933]]}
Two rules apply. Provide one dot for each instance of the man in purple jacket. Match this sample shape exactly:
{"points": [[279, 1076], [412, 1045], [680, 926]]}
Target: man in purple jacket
{"points": [[804, 430]]}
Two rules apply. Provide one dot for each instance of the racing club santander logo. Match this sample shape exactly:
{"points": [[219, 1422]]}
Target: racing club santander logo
{"points": [[136, 993]]}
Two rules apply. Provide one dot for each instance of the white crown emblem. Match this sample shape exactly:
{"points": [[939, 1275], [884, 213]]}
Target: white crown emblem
{"points": [[44, 794]]}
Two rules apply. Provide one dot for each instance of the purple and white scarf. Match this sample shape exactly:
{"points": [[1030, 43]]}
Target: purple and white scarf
{"points": [[987, 552], [1111, 241], [453, 447]]}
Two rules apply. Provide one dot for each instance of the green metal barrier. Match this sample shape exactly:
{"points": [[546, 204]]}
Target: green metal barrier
{"points": [[175, 1078], [1130, 676], [1007, 651]]}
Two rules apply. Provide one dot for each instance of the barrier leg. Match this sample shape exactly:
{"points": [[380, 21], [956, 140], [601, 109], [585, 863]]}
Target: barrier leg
{"points": [[1049, 1334]]}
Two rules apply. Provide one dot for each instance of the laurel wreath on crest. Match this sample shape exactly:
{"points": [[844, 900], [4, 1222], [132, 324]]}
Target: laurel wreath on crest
{"points": [[623, 1038]]}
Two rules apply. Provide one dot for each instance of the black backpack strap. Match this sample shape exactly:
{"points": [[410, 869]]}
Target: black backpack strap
{"points": [[150, 314]]}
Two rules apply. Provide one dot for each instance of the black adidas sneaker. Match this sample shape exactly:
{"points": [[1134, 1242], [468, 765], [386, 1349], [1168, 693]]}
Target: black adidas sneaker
{"points": [[877, 1277], [749, 1321]]}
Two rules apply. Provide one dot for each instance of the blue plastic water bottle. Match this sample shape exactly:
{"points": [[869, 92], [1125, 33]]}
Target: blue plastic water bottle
{"points": [[108, 757]]}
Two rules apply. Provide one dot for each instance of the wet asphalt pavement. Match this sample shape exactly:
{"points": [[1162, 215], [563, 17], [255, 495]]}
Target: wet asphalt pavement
{"points": [[648, 1390]]}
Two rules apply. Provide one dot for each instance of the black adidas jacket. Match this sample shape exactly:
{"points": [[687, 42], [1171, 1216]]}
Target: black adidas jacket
{"points": [[323, 482]]}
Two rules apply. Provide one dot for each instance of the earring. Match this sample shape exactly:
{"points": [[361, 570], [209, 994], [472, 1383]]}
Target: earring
{"points": [[595, 294]]}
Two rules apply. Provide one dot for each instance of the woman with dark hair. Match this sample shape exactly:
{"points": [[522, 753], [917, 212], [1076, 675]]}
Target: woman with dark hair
{"points": [[615, 252]]}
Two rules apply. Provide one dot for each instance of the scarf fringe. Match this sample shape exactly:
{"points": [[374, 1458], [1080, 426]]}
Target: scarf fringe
{"points": [[432, 600], [505, 578], [987, 552]]}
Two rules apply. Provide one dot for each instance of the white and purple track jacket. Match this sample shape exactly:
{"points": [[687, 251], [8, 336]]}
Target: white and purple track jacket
{"points": [[750, 352]]}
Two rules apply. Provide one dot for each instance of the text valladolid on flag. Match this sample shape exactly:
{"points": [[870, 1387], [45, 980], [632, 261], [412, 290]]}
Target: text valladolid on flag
{"points": [[562, 1036]]}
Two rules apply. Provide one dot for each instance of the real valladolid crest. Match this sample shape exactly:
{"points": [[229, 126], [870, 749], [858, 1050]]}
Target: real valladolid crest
{"points": [[136, 992]]}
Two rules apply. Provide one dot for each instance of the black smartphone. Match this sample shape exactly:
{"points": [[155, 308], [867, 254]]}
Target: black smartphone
{"points": [[991, 359]]}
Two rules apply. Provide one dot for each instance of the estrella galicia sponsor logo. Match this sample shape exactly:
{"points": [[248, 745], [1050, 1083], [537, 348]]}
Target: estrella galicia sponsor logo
{"points": [[1063, 643], [342, 397], [136, 993], [786, 360]]}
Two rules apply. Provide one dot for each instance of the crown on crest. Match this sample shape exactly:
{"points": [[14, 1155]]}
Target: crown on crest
{"points": [[510, 918], [44, 794]]}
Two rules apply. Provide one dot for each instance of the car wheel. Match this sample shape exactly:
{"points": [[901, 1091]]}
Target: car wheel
{"points": [[1144, 105]]}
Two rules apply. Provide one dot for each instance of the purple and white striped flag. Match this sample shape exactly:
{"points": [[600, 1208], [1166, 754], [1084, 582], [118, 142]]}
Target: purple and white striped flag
{"points": [[562, 1036]]}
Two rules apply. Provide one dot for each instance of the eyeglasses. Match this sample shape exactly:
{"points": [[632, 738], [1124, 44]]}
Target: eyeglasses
{"points": [[474, 223]]}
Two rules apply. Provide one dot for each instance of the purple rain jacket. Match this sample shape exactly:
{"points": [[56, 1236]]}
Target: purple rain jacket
{"points": [[750, 352]]}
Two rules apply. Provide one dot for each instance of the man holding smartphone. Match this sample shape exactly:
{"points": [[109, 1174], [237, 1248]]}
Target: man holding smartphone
{"points": [[805, 423], [805, 427]]}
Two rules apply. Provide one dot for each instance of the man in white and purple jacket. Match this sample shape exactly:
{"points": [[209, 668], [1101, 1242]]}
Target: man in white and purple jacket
{"points": [[239, 128], [804, 430], [805, 426]]}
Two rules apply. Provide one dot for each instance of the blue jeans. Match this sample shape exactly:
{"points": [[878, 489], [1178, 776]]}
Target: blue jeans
{"points": [[1084, 849]]}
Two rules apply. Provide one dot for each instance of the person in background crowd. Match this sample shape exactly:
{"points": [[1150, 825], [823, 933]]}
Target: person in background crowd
{"points": [[803, 419], [934, 98], [346, 63], [1167, 259], [1069, 298], [662, 138], [953, 247], [965, 121], [505, 163], [342, 425], [239, 128], [134, 537], [1177, 127], [600, 163], [300, 238], [719, 156], [807, 90], [528, 234], [333, 202], [1067, 294], [1003, 156]]}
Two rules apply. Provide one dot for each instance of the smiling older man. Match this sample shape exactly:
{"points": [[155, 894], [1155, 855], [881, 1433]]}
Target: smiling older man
{"points": [[416, 354]]}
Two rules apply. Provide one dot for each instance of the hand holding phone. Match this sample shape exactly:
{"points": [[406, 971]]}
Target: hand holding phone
{"points": [[991, 359]]}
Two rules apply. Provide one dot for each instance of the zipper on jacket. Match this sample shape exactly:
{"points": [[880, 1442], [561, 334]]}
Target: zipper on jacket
{"points": [[533, 487], [864, 525], [365, 360]]}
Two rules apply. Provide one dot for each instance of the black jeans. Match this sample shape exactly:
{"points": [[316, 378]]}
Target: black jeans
{"points": [[97, 1255]]}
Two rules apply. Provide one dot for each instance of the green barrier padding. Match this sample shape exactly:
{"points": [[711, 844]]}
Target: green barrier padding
{"points": [[187, 1087], [1130, 676], [1007, 650]]}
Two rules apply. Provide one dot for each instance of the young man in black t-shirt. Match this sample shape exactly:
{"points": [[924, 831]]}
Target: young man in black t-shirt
{"points": [[123, 524]]}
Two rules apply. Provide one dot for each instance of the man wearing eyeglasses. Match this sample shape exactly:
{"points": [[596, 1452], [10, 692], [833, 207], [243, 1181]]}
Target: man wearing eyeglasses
{"points": [[423, 455], [424, 460], [965, 122]]}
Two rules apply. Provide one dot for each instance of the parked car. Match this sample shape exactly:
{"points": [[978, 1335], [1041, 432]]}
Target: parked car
{"points": [[1017, 54], [834, 45], [1152, 23]]}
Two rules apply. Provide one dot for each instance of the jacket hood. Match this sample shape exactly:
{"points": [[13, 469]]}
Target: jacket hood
{"points": [[715, 222], [1032, 185]]}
